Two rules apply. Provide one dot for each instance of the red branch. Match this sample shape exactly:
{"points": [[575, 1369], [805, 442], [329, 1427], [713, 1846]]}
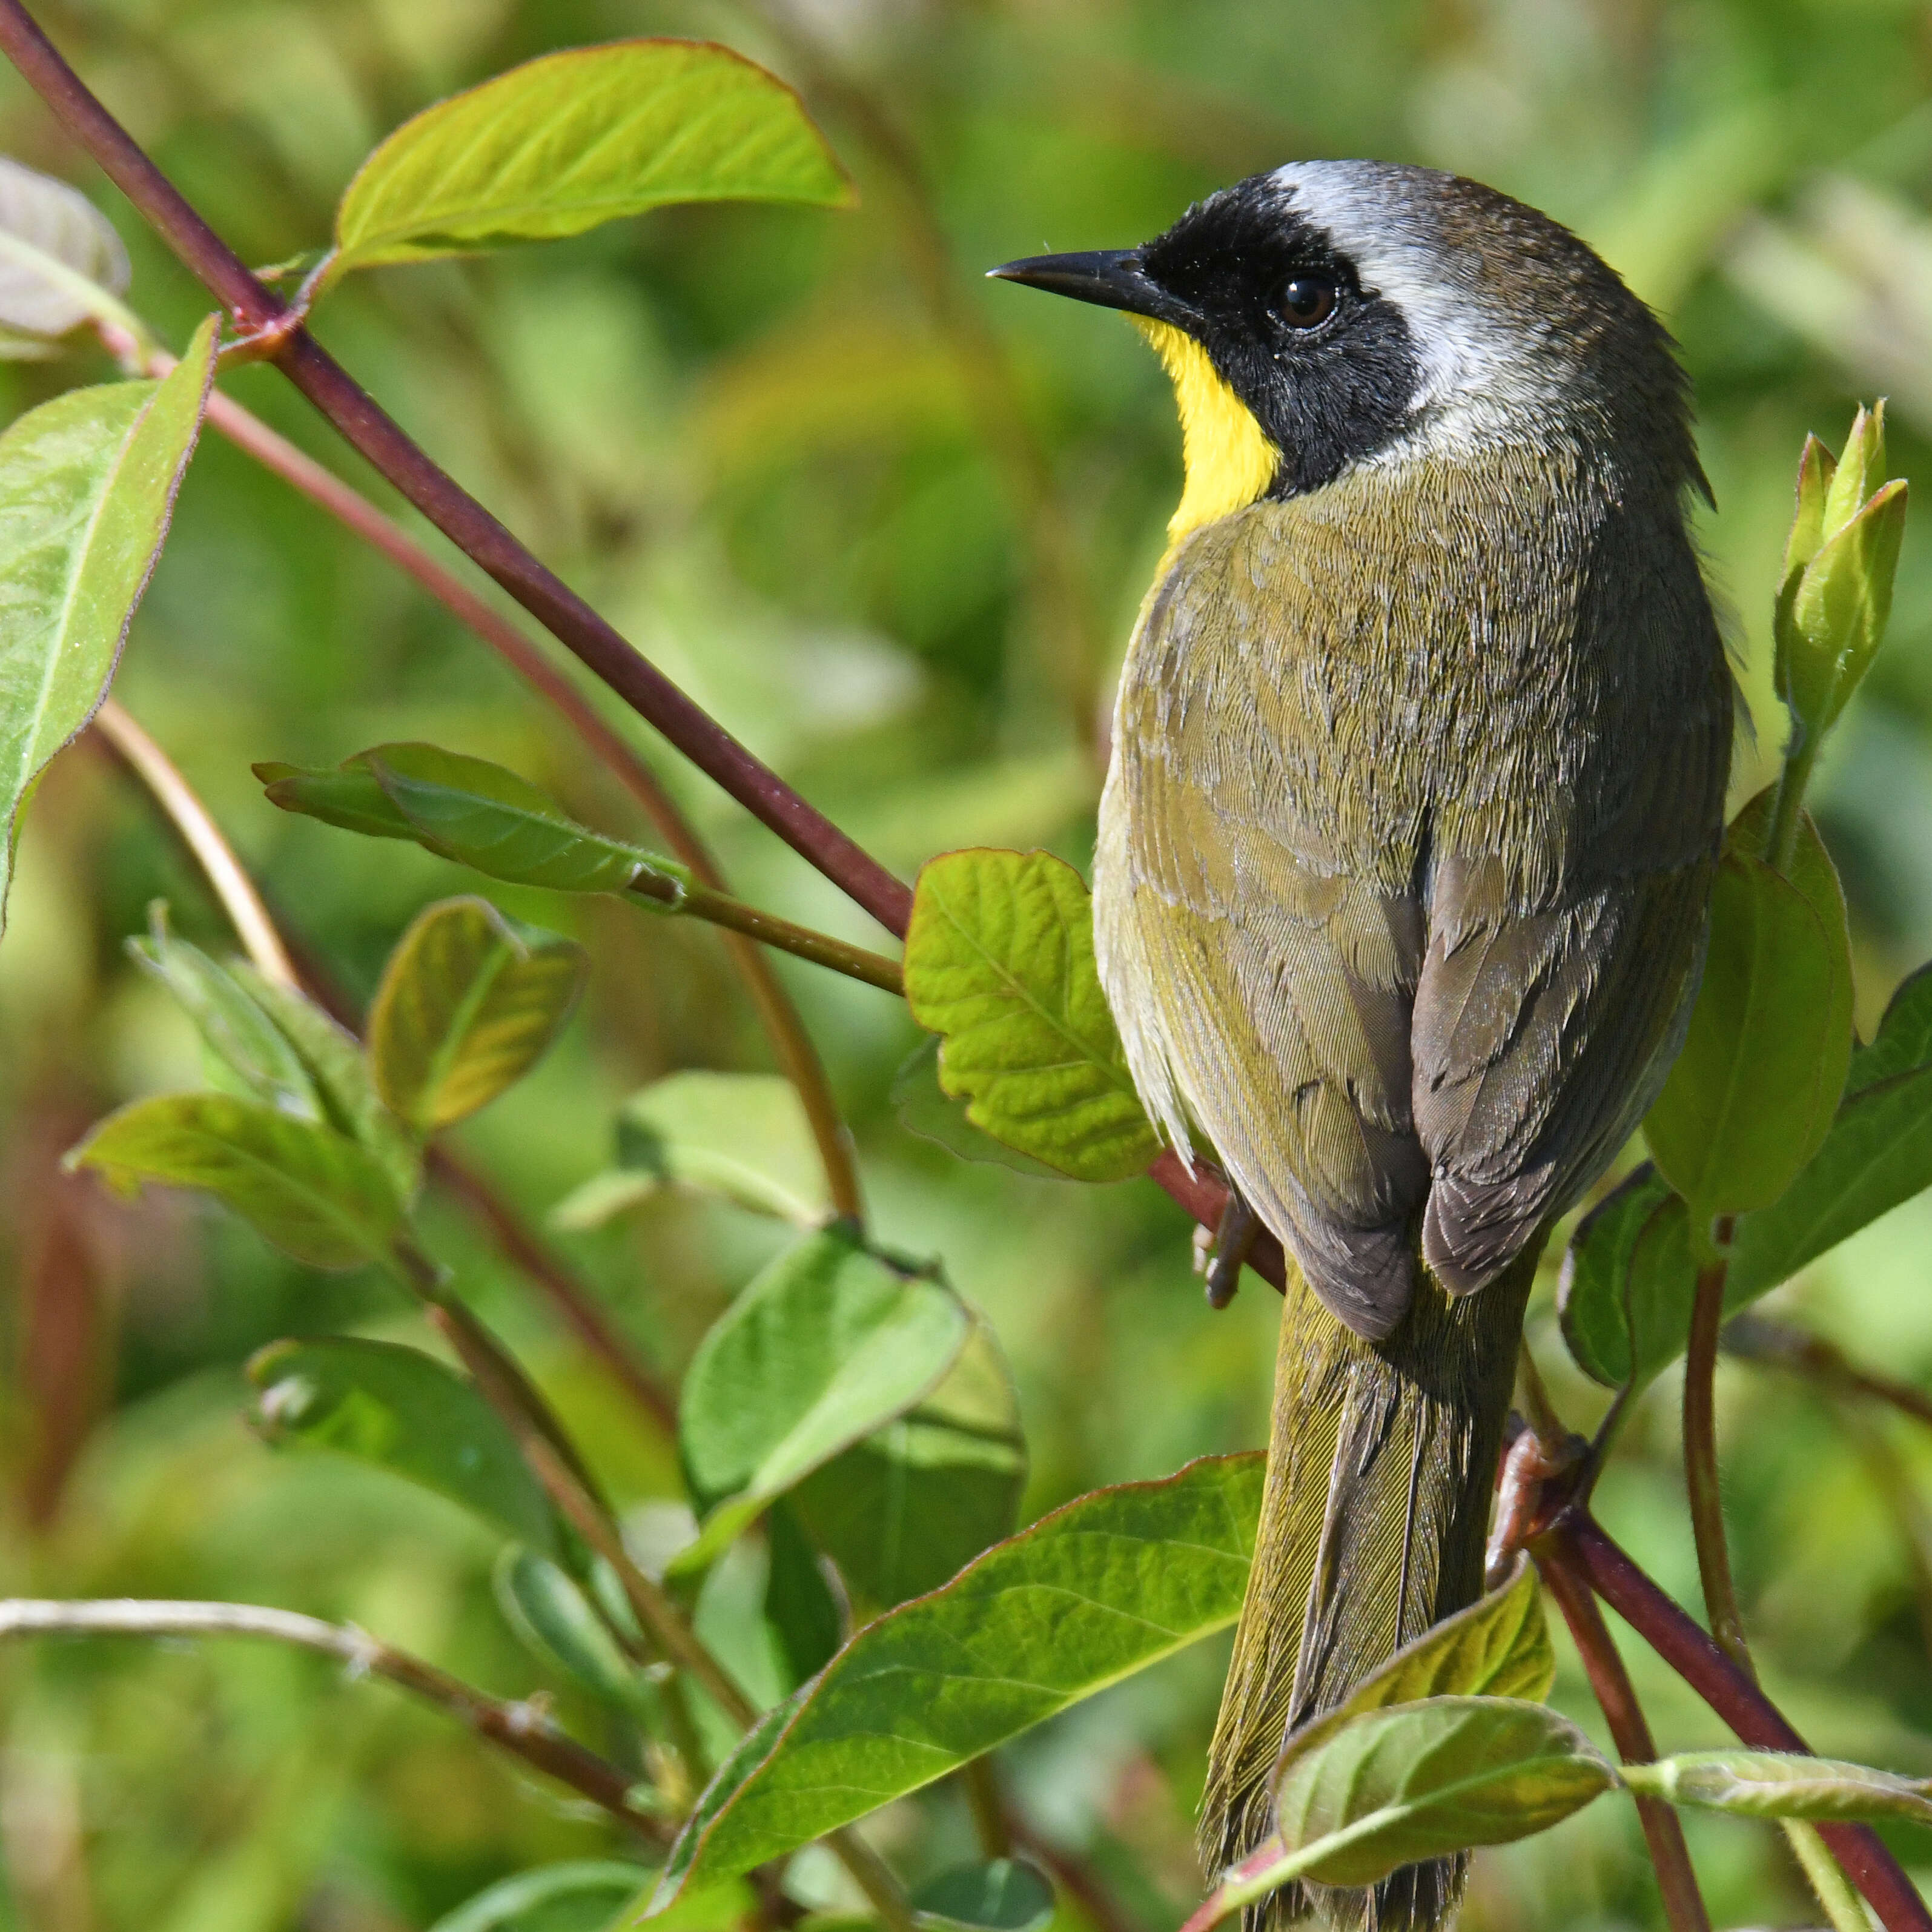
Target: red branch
{"points": [[1575, 1539]]}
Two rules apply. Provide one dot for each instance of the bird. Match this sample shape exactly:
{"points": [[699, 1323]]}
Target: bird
{"points": [[1414, 799]]}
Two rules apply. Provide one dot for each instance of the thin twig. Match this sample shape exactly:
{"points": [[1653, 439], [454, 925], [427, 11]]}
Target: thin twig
{"points": [[1575, 1539], [137, 753], [523, 1730], [473, 530], [1700, 1459], [1822, 1872], [981, 1783], [1759, 1338], [875, 969], [1629, 1729]]}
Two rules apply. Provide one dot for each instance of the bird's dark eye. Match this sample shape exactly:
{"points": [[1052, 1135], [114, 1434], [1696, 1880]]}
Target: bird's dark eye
{"points": [[1307, 301]]}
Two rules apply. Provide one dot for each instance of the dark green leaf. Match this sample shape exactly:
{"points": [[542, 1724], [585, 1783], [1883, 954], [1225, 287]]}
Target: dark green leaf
{"points": [[926, 1108], [557, 1625], [1752, 1094], [1003, 1895], [1100, 1589], [744, 1136], [1782, 1784], [87, 486], [467, 1005], [1625, 1293], [999, 962], [800, 1607], [404, 1411], [311, 1191], [828, 1344], [907, 1509], [574, 138]]}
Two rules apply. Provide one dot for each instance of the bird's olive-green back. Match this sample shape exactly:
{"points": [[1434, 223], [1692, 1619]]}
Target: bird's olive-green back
{"points": [[1418, 782]]}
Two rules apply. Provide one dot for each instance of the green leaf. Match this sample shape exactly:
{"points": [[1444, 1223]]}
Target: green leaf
{"points": [[1782, 1784], [744, 1136], [312, 1192], [1628, 1279], [78, 243], [556, 1624], [574, 138], [467, 1005], [348, 795], [999, 961], [1002, 1895], [924, 1108], [87, 487], [1752, 1094], [1111, 1584], [829, 1343], [404, 1411], [470, 811], [585, 1895], [1421, 1781], [233, 1025], [339, 1074], [804, 1614], [1817, 466], [1498, 1647], [907, 1509]]}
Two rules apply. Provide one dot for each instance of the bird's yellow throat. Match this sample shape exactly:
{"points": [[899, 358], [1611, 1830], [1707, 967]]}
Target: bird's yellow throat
{"points": [[1229, 461]]}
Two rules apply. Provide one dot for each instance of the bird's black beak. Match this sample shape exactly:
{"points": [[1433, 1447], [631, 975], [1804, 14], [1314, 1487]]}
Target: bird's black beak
{"points": [[1113, 278]]}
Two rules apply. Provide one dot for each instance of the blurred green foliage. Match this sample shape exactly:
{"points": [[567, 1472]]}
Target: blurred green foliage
{"points": [[798, 457]]}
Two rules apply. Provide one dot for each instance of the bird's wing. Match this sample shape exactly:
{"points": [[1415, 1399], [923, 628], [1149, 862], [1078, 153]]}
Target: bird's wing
{"points": [[1255, 970], [1542, 1033]]}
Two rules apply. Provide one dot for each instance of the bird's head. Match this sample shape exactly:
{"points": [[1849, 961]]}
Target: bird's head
{"points": [[1335, 314]]}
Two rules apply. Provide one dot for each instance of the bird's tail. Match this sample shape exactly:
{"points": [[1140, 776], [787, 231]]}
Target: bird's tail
{"points": [[1382, 1461]]}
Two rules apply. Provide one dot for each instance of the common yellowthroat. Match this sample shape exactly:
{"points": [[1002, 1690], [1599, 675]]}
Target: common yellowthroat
{"points": [[1416, 794]]}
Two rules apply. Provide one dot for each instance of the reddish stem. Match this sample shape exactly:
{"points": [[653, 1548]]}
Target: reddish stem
{"points": [[1576, 1542], [1683, 1904]]}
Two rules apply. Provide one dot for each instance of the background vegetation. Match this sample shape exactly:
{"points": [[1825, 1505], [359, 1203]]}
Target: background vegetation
{"points": [[891, 525]]}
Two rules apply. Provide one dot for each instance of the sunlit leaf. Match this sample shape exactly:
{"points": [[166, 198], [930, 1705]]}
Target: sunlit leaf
{"points": [[926, 1108], [828, 1344], [743, 1136], [1419, 1780], [1498, 1647], [999, 962], [467, 1005], [1782, 1784], [574, 138], [402, 1411], [1001, 1895], [1752, 1094], [905, 1510], [73, 239], [87, 486], [1111, 1584], [310, 1190]]}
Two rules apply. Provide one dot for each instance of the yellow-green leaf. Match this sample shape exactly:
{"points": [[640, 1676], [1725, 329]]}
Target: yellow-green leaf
{"points": [[574, 138], [467, 1005], [999, 962]]}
